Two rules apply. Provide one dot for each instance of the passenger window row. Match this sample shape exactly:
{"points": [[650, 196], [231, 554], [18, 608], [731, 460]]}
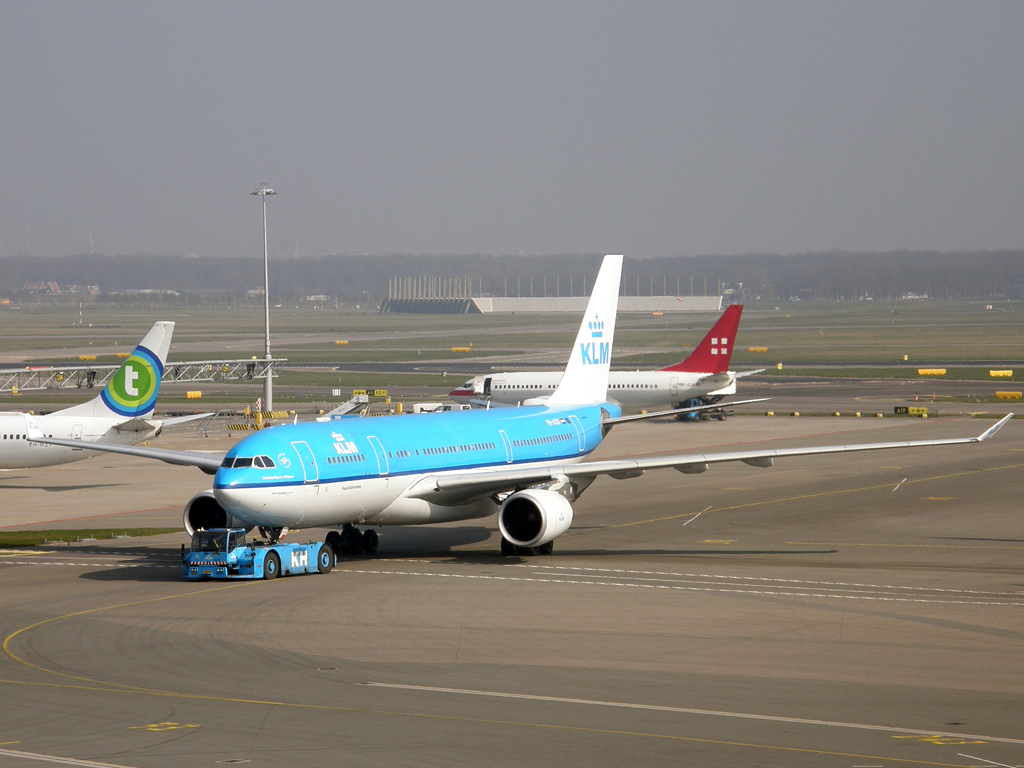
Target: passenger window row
{"points": [[459, 448], [346, 459], [634, 386], [542, 440]]}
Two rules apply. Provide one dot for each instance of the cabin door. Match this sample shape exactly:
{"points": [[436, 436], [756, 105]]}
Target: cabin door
{"points": [[579, 433], [382, 456], [76, 434], [310, 471], [508, 446]]}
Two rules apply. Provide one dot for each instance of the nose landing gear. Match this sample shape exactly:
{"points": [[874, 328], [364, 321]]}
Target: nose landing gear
{"points": [[351, 541]]}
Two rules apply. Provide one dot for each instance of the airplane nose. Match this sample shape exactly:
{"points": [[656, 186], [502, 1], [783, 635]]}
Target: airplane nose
{"points": [[229, 499]]}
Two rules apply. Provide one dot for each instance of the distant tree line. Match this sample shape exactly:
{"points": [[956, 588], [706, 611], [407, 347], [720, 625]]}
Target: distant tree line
{"points": [[978, 275]]}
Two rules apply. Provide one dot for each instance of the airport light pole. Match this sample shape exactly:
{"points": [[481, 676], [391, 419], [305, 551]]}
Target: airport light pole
{"points": [[268, 382]]}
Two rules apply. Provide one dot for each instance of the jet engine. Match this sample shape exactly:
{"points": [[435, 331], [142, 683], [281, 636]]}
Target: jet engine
{"points": [[203, 512], [534, 517]]}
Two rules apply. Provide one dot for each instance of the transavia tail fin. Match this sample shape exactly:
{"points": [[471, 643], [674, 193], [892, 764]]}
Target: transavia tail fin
{"points": [[713, 354], [131, 392], [585, 379]]}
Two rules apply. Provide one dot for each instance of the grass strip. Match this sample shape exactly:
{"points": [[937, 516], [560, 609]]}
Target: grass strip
{"points": [[39, 538]]}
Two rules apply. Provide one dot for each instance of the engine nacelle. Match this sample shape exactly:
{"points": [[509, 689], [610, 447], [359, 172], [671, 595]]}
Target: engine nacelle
{"points": [[203, 512], [533, 517]]}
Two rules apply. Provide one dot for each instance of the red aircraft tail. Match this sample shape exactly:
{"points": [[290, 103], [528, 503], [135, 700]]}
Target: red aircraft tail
{"points": [[712, 355]]}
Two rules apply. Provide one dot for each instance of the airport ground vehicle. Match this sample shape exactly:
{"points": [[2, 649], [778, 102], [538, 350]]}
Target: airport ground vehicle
{"points": [[715, 414], [223, 553]]}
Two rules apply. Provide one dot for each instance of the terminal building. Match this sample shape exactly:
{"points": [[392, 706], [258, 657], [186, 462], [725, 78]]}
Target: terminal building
{"points": [[454, 296]]}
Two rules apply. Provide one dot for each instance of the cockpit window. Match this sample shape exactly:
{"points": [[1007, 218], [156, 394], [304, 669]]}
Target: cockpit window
{"points": [[268, 462], [228, 462], [258, 461], [240, 462]]}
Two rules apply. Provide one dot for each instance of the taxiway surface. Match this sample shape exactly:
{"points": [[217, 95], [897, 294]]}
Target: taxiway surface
{"points": [[860, 610]]}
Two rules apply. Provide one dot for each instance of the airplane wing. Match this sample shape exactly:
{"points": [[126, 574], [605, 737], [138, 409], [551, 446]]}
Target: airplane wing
{"points": [[207, 462], [673, 412], [741, 374], [182, 419], [464, 487]]}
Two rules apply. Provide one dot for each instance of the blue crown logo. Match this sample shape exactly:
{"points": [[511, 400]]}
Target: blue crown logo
{"points": [[596, 327]]}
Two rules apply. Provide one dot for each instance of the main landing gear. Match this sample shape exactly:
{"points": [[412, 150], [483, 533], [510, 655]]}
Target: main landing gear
{"points": [[351, 541], [508, 549]]}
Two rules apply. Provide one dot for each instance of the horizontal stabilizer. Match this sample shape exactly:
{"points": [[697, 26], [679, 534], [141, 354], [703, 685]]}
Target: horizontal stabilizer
{"points": [[184, 419]]}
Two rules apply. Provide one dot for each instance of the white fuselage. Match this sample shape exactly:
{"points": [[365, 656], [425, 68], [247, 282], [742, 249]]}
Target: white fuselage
{"points": [[371, 501], [632, 390], [16, 452]]}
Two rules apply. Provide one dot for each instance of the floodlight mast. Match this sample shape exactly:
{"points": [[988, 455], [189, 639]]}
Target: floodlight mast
{"points": [[268, 382]]}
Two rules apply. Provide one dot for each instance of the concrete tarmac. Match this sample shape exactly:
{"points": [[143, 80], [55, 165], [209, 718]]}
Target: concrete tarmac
{"points": [[857, 610]]}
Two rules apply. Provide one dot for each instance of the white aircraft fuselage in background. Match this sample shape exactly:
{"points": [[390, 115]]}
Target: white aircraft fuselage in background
{"points": [[704, 375], [632, 390], [119, 415]]}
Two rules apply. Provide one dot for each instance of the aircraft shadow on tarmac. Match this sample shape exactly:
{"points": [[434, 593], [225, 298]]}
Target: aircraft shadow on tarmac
{"points": [[978, 538], [470, 557], [161, 564], [61, 488]]}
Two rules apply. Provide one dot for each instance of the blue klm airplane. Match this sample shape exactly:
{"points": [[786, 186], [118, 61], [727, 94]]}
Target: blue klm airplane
{"points": [[526, 464]]}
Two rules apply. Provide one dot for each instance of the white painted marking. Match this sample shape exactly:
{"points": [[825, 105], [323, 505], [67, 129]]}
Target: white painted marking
{"points": [[901, 482], [763, 578], [724, 589], [983, 760], [688, 711], [60, 760]]}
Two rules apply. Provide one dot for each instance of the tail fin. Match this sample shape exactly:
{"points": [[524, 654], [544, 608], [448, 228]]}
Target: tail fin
{"points": [[131, 392], [586, 376], [713, 354]]}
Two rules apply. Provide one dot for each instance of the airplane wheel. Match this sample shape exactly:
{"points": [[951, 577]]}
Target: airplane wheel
{"points": [[546, 549], [370, 542], [351, 541], [507, 547], [333, 540], [271, 566], [325, 559]]}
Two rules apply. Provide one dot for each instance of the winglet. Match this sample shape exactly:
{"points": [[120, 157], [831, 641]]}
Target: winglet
{"points": [[994, 428], [713, 353], [585, 379], [34, 432]]}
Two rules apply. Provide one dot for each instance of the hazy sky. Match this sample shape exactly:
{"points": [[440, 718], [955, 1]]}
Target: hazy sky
{"points": [[551, 127]]}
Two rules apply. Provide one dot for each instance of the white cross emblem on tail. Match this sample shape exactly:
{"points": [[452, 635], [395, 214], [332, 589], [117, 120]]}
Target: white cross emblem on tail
{"points": [[716, 350]]}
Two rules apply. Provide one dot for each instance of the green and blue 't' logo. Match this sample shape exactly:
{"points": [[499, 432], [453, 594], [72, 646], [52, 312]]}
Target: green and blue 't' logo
{"points": [[133, 390]]}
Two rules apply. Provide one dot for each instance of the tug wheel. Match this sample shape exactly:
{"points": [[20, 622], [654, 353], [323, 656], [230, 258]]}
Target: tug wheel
{"points": [[271, 566], [325, 558]]}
